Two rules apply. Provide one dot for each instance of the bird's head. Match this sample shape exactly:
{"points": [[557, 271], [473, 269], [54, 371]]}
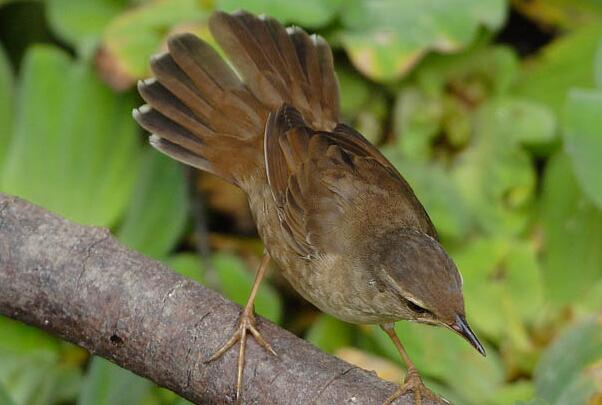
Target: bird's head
{"points": [[426, 282]]}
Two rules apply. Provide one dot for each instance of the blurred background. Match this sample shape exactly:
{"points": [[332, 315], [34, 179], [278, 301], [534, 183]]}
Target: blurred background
{"points": [[491, 109]]}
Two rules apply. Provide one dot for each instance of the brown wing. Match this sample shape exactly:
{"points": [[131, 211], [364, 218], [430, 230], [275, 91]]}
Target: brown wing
{"points": [[353, 141], [326, 185]]}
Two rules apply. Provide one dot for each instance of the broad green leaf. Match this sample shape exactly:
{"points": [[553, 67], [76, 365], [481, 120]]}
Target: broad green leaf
{"points": [[589, 302], [108, 384], [565, 63], [531, 124], [583, 140], [6, 104], [435, 188], [82, 22], [535, 401], [5, 399], [329, 334], [133, 36], [598, 66], [572, 234], [503, 288], [236, 283], [74, 146], [474, 74], [386, 38], [513, 393], [569, 370], [438, 106], [36, 368], [157, 213], [417, 120], [35, 381], [363, 105], [21, 339], [442, 355], [187, 264], [355, 92], [494, 175], [308, 13]]}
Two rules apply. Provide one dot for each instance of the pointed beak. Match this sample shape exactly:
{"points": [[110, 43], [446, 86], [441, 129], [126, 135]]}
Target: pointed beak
{"points": [[461, 327]]}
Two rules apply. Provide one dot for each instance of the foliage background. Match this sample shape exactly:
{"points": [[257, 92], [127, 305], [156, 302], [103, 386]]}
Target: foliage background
{"points": [[491, 109]]}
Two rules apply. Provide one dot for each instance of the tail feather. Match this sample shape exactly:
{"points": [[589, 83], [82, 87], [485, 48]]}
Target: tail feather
{"points": [[202, 113], [202, 64], [171, 107]]}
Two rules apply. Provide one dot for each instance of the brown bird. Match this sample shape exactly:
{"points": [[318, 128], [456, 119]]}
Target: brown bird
{"points": [[342, 224]]}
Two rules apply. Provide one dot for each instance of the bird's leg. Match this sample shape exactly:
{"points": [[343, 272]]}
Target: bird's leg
{"points": [[413, 381], [246, 324]]}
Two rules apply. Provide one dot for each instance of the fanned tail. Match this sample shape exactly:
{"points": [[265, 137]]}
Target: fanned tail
{"points": [[202, 113]]}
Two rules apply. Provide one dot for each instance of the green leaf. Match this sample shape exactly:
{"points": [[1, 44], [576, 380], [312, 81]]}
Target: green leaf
{"points": [[36, 368], [5, 399], [503, 288], [570, 367], [535, 401], [386, 38], [513, 393], [474, 74], [21, 339], [598, 66], [529, 123], [187, 264], [133, 36], [108, 384], [495, 176], [363, 105], [34, 381], [572, 234], [565, 63], [583, 140], [74, 144], [82, 22], [308, 13], [437, 107], [157, 213], [356, 92], [417, 116], [236, 283], [329, 334], [6, 104], [435, 188]]}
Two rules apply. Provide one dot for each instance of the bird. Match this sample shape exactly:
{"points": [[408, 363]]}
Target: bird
{"points": [[341, 223]]}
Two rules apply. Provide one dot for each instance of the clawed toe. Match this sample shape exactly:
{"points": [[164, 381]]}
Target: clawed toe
{"points": [[246, 324], [413, 383]]}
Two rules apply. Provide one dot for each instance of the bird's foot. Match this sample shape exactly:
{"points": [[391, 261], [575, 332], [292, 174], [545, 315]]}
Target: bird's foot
{"points": [[413, 383], [246, 324]]}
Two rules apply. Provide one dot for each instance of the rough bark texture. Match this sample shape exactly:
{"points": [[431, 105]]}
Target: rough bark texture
{"points": [[80, 284]]}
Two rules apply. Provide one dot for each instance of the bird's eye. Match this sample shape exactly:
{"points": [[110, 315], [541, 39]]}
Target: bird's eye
{"points": [[417, 308]]}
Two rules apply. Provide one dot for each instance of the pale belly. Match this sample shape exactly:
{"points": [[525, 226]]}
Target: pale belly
{"points": [[325, 281]]}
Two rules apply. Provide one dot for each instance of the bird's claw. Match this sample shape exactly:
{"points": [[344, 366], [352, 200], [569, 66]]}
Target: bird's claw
{"points": [[413, 383], [246, 324]]}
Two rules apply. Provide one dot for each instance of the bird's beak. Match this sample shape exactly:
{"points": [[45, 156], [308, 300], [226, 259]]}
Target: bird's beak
{"points": [[461, 327]]}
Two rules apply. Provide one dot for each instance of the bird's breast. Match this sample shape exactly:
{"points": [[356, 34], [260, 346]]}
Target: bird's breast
{"points": [[329, 281]]}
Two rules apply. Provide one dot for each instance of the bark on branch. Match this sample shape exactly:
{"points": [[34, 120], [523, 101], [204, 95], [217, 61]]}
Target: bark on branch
{"points": [[79, 283]]}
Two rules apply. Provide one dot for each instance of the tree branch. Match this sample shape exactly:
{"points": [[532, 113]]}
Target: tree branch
{"points": [[80, 284]]}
